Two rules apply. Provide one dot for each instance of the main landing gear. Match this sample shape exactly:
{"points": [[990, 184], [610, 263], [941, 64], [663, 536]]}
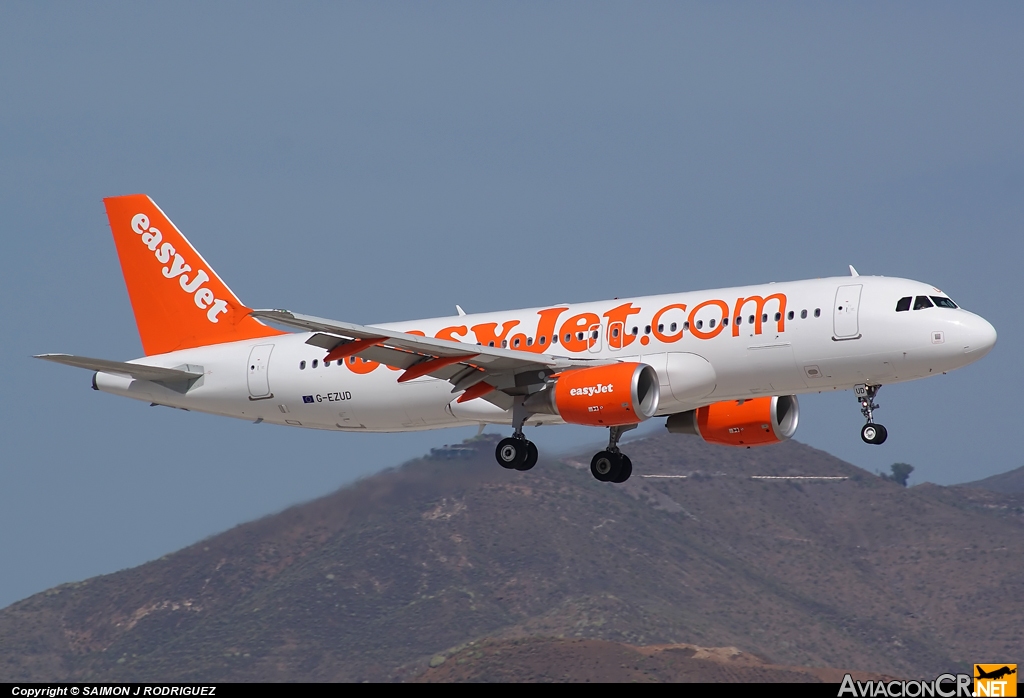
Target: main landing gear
{"points": [[871, 433], [611, 465], [516, 452], [519, 453]]}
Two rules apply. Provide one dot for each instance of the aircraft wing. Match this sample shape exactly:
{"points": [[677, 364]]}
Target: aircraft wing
{"points": [[466, 366], [137, 371]]}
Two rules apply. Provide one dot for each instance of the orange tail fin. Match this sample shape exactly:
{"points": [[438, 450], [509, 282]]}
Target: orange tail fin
{"points": [[178, 299]]}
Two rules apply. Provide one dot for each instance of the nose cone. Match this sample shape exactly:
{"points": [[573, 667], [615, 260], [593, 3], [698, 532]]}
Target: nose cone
{"points": [[979, 337]]}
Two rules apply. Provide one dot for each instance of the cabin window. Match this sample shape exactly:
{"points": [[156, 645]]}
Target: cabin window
{"points": [[803, 314], [661, 328], [764, 317], [529, 341], [686, 325], [326, 363], [817, 312], [579, 336], [504, 343], [515, 343], [568, 336], [554, 339], [711, 322], [316, 362], [778, 316], [615, 332], [595, 334], [490, 343], [544, 340], [672, 327], [790, 315], [922, 302], [750, 320], [943, 302], [302, 365], [700, 324], [636, 330], [647, 329], [725, 321], [739, 319]]}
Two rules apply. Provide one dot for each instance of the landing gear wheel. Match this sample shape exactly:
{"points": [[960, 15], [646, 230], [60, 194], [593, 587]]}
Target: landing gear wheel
{"points": [[511, 452], [531, 457], [871, 433], [625, 468], [874, 434], [605, 466]]}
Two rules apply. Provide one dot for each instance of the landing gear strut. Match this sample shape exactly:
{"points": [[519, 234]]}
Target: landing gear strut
{"points": [[516, 452], [611, 465], [871, 433]]}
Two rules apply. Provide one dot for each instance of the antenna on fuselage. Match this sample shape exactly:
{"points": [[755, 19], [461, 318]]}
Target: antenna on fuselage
{"points": [[463, 312], [853, 272]]}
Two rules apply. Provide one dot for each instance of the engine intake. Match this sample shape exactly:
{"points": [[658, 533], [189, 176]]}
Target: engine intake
{"points": [[607, 396], [756, 422]]}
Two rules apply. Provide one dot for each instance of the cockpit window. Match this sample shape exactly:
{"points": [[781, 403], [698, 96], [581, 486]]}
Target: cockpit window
{"points": [[942, 302], [922, 302], [903, 304]]}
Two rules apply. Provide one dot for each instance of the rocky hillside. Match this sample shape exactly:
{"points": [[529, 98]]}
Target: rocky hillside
{"points": [[546, 659], [705, 546], [1004, 483]]}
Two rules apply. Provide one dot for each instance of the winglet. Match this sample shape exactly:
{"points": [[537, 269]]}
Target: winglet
{"points": [[853, 272]]}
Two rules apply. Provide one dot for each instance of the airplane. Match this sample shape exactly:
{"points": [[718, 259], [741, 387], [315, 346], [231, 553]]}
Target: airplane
{"points": [[724, 364], [994, 674]]}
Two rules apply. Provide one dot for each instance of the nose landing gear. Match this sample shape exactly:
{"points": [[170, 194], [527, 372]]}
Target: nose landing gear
{"points": [[871, 433], [611, 465]]}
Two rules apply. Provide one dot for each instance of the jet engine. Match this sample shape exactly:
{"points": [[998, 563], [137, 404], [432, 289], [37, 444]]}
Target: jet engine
{"points": [[755, 422], [602, 396]]}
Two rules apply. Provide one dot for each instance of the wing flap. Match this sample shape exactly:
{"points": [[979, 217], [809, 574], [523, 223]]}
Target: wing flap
{"points": [[389, 357], [499, 399]]}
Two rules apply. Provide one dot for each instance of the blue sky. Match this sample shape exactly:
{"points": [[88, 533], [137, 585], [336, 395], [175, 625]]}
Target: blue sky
{"points": [[384, 161]]}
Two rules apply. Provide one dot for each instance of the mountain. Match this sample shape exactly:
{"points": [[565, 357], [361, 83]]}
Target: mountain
{"points": [[537, 659], [697, 548], [1004, 483]]}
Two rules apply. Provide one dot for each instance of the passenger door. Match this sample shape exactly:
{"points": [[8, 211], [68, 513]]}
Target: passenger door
{"points": [[258, 375], [845, 323]]}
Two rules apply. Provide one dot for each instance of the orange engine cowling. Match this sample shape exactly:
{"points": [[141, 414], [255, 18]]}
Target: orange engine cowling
{"points": [[603, 396], [756, 422]]}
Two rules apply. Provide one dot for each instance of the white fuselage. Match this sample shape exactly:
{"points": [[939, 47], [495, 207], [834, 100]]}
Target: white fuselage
{"points": [[808, 336]]}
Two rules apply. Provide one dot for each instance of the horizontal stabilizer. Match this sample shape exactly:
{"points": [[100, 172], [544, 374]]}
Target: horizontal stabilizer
{"points": [[137, 371]]}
